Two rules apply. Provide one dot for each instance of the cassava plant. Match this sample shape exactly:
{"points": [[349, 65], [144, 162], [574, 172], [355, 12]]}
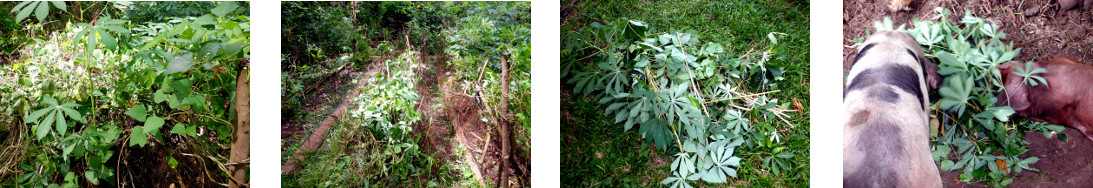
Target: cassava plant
{"points": [[682, 95]]}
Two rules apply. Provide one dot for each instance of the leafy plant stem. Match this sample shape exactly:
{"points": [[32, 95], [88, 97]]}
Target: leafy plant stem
{"points": [[743, 96]]}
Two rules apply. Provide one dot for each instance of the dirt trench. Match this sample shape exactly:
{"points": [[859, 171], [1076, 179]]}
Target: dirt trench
{"points": [[451, 118]]}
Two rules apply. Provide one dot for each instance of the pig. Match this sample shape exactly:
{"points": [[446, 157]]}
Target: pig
{"points": [[1064, 100], [886, 131], [899, 5]]}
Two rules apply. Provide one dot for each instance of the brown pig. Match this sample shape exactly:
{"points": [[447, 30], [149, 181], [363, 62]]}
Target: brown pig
{"points": [[1066, 99], [899, 5]]}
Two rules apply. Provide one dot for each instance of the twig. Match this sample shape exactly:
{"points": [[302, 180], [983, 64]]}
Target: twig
{"points": [[744, 96]]}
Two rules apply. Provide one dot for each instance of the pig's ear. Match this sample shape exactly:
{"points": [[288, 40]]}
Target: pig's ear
{"points": [[1014, 95], [932, 77]]}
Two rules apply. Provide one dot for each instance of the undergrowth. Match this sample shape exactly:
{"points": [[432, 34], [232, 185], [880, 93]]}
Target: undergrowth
{"points": [[706, 92]]}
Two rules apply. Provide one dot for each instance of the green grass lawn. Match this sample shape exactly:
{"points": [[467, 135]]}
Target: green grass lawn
{"points": [[596, 152]]}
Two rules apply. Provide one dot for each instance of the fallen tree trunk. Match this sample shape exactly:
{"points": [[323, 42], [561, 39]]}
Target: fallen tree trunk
{"points": [[240, 150], [316, 139]]}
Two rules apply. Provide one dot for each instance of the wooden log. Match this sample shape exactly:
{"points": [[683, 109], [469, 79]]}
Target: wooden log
{"points": [[240, 149]]}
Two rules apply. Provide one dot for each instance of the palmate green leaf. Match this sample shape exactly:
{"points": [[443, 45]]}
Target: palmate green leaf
{"points": [[152, 124], [1029, 74], [656, 131], [137, 112], [955, 93], [107, 40], [42, 12], [20, 6], [33, 118], [784, 155], [46, 125], [60, 5], [27, 9], [92, 39], [50, 100], [72, 113], [62, 125]]}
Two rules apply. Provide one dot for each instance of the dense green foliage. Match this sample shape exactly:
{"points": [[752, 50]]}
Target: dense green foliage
{"points": [[976, 137], [488, 33], [647, 80], [379, 129], [74, 87], [695, 89], [163, 11], [409, 46]]}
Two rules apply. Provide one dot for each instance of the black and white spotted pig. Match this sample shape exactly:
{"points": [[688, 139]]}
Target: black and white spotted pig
{"points": [[886, 129]]}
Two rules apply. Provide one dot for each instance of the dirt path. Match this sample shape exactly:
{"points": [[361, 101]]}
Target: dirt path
{"points": [[315, 140], [451, 118], [323, 100], [1042, 31]]}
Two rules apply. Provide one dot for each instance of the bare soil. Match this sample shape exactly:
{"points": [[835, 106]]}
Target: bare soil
{"points": [[463, 114], [1042, 31]]}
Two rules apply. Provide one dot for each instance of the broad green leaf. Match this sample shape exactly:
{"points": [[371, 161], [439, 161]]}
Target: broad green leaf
{"points": [[137, 136], [180, 129], [137, 112], [153, 124], [224, 8], [180, 63], [172, 102], [196, 101], [171, 161], [230, 50], [208, 51], [159, 96], [191, 130], [90, 175]]}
